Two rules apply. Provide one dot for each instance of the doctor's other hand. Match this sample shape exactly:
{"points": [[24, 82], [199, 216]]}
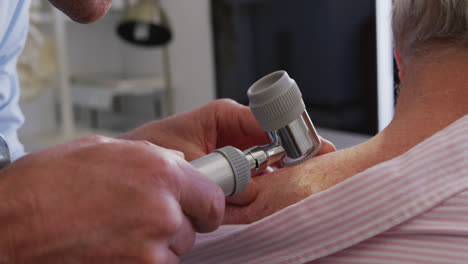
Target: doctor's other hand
{"points": [[198, 132], [104, 200]]}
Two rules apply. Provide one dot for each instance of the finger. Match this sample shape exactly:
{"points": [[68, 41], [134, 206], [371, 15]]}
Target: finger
{"points": [[80, 143], [162, 254], [237, 126], [267, 170], [176, 152], [327, 147], [200, 198], [184, 239], [155, 148], [158, 148], [245, 197], [172, 258]]}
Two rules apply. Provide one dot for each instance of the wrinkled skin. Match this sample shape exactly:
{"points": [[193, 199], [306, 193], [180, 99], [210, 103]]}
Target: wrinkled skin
{"points": [[104, 200], [281, 188], [199, 132], [225, 122], [224, 126]]}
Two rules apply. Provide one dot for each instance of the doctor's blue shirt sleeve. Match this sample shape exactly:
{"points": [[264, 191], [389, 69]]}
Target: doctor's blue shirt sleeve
{"points": [[11, 45]]}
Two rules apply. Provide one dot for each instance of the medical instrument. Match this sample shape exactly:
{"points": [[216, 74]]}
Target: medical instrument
{"points": [[277, 104]]}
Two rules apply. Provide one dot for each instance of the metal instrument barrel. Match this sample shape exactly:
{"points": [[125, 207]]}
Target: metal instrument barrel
{"points": [[299, 139], [228, 167], [217, 168]]}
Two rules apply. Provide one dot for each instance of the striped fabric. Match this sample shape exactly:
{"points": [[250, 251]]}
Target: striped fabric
{"points": [[411, 209]]}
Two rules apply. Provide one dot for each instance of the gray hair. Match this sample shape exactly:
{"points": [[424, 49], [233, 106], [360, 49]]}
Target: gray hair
{"points": [[419, 22]]}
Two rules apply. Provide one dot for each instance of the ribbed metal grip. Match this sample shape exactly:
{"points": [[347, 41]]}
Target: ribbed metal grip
{"points": [[228, 167], [275, 100], [239, 165]]}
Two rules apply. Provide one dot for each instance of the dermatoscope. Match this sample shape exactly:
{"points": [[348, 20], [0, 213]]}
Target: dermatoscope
{"points": [[276, 102]]}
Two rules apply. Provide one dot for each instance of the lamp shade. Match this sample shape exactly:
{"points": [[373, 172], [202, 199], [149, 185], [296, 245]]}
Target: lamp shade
{"points": [[145, 24]]}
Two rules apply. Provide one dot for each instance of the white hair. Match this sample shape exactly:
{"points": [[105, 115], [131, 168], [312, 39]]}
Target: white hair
{"points": [[417, 23]]}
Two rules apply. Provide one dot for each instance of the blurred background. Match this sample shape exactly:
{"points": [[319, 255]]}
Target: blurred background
{"points": [[148, 59]]}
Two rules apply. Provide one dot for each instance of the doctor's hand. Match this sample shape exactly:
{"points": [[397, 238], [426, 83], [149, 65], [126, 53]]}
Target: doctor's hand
{"points": [[103, 200], [200, 131]]}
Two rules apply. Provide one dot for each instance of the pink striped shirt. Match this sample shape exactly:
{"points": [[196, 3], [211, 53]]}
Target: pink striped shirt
{"points": [[411, 209]]}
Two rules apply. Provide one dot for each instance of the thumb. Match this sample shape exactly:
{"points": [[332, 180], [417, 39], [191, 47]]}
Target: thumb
{"points": [[327, 147], [245, 197]]}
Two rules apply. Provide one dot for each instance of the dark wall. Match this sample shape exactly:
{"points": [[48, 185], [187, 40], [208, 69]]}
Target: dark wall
{"points": [[327, 46]]}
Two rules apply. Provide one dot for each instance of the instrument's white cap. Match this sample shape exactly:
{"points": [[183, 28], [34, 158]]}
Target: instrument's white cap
{"points": [[275, 100]]}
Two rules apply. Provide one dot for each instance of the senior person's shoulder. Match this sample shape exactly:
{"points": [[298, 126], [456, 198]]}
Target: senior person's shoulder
{"points": [[360, 213], [287, 186]]}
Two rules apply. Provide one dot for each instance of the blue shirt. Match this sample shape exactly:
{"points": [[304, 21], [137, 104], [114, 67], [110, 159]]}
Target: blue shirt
{"points": [[14, 21]]}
